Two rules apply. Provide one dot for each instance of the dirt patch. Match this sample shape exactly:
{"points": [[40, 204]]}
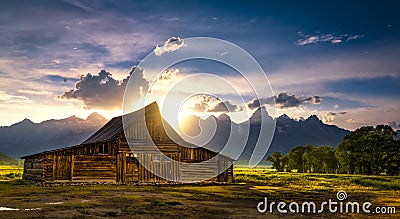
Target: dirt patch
{"points": [[174, 201], [101, 212]]}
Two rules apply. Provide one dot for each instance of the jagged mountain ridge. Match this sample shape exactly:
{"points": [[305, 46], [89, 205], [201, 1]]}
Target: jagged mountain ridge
{"points": [[27, 137], [288, 133]]}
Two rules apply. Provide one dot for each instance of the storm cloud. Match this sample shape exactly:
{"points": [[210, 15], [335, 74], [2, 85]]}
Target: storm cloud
{"points": [[215, 104], [105, 92], [283, 100]]}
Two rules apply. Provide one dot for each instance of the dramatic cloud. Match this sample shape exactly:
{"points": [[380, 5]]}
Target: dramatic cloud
{"points": [[330, 116], [203, 105], [313, 99], [320, 37], [255, 103], [43, 52], [167, 74], [172, 44], [225, 106], [214, 104], [283, 100], [103, 91]]}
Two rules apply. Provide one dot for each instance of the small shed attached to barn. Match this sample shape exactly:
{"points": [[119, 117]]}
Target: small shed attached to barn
{"points": [[106, 156]]}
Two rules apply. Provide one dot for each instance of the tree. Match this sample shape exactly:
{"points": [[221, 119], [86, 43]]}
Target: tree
{"points": [[321, 160], [369, 150], [278, 161], [296, 160], [392, 165]]}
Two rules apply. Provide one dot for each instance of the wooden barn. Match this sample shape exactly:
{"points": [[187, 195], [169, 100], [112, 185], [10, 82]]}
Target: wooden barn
{"points": [[106, 156]]}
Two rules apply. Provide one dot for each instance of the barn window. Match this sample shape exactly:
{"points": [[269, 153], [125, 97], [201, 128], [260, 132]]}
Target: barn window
{"points": [[156, 158], [103, 149], [31, 165]]}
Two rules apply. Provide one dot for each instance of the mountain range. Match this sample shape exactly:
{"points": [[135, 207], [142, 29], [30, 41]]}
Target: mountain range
{"points": [[288, 133], [27, 137], [6, 160]]}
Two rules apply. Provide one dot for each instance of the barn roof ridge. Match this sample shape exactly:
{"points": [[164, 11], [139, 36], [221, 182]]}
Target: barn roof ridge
{"points": [[116, 125]]}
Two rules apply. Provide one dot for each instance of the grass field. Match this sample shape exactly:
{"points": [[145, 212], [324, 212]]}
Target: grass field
{"points": [[11, 172], [235, 200]]}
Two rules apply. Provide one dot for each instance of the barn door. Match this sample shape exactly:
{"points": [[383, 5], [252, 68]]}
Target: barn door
{"points": [[62, 167], [132, 169]]}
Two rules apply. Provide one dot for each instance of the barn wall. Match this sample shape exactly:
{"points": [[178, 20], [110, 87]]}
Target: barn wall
{"points": [[161, 165], [188, 173], [85, 164], [139, 134], [94, 167], [82, 168], [130, 170], [48, 167], [227, 175], [33, 168], [194, 155], [192, 172], [80, 163]]}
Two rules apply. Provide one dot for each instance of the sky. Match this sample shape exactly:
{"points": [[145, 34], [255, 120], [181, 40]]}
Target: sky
{"points": [[338, 60]]}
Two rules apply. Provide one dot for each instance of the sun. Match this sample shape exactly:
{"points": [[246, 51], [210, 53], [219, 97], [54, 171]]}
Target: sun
{"points": [[187, 120]]}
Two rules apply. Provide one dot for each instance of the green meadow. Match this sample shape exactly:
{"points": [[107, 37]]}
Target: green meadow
{"points": [[212, 200], [10, 172]]}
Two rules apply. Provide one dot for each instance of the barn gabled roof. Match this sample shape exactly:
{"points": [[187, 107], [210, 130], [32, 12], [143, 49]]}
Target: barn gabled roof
{"points": [[109, 131], [115, 127]]}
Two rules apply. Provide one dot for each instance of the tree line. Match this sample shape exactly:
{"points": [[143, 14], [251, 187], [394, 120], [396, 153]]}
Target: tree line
{"points": [[368, 150]]}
